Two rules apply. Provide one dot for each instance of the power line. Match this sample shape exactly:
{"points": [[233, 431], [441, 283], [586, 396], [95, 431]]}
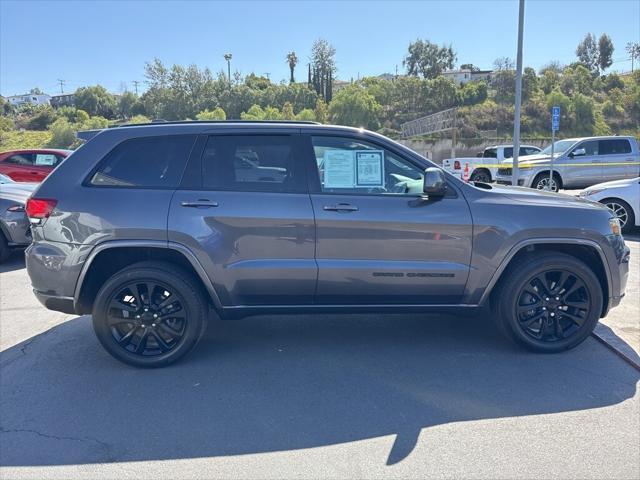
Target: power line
{"points": [[135, 85], [61, 82]]}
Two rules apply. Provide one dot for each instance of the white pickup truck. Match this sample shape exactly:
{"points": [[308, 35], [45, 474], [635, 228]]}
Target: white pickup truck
{"points": [[484, 166]]}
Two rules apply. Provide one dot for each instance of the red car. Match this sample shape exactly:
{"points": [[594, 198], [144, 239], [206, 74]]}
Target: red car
{"points": [[31, 165]]}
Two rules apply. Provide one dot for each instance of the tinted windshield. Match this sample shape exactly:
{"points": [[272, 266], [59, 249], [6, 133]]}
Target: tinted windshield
{"points": [[560, 146]]}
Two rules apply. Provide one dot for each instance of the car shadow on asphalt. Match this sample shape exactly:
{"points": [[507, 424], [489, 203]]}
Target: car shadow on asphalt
{"points": [[14, 262], [268, 384]]}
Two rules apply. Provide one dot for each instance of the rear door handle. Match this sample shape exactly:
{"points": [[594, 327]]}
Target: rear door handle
{"points": [[340, 207], [200, 203]]}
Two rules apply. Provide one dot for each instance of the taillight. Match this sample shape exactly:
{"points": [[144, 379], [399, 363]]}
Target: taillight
{"points": [[456, 165], [40, 208]]}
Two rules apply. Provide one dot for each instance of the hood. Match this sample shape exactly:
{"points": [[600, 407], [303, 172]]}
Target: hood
{"points": [[17, 192], [532, 159], [541, 197], [615, 183]]}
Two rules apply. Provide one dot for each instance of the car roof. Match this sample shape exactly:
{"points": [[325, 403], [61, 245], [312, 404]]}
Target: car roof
{"points": [[601, 137], [511, 145], [39, 150]]}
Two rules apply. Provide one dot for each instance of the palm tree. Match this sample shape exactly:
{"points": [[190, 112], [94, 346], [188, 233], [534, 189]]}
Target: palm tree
{"points": [[292, 60]]}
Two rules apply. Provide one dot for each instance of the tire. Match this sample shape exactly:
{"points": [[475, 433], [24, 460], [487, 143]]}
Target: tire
{"points": [[623, 211], [5, 251], [132, 334], [542, 180], [481, 175], [536, 319]]}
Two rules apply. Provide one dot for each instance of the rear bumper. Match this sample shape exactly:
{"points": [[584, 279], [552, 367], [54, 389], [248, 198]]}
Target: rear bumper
{"points": [[56, 303]]}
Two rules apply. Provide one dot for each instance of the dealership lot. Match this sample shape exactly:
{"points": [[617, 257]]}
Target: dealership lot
{"points": [[273, 397]]}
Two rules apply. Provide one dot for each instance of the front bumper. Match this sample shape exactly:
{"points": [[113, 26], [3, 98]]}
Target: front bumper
{"points": [[55, 302]]}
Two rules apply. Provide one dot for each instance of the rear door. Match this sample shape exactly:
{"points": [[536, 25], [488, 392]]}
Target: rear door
{"points": [[617, 159], [244, 210], [378, 240]]}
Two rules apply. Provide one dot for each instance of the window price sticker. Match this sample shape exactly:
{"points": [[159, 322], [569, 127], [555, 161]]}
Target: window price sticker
{"points": [[370, 168]]}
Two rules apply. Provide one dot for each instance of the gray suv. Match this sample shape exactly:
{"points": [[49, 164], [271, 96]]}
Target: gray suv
{"points": [[154, 229], [577, 163]]}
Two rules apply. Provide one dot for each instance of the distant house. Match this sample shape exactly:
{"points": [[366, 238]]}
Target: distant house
{"points": [[463, 76], [64, 100], [29, 99]]}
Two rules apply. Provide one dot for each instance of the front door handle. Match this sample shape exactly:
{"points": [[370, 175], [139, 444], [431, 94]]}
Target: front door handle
{"points": [[340, 207], [200, 203]]}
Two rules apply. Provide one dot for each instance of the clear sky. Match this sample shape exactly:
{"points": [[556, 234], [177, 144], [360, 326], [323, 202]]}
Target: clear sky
{"points": [[108, 42]]}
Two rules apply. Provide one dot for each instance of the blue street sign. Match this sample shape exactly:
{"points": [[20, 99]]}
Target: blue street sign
{"points": [[555, 118]]}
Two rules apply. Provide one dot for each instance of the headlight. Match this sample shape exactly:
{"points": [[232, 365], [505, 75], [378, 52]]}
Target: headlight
{"points": [[614, 224], [588, 193]]}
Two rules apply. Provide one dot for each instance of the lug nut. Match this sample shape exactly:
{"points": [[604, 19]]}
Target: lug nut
{"points": [[546, 298], [557, 298], [144, 326], [137, 316], [153, 324], [544, 308], [146, 309], [155, 315], [553, 314]]}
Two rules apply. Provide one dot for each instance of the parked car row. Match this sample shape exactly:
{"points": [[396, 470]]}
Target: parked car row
{"points": [[14, 224]]}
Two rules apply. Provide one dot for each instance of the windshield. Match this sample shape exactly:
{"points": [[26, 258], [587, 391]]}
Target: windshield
{"points": [[560, 146]]}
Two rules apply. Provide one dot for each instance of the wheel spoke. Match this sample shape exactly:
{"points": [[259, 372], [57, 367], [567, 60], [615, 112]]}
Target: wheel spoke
{"points": [[167, 301], [136, 294], [142, 344], [173, 333], [126, 338], [577, 319], [164, 346], [558, 325], [564, 276], [118, 304], [574, 288], [525, 308], [530, 321], [581, 304]]}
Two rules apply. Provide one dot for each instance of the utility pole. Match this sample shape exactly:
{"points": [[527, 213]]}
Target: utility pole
{"points": [[227, 57], [135, 85], [266, 74], [516, 119], [62, 83]]}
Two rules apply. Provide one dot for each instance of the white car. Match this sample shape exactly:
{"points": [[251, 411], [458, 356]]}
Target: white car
{"points": [[484, 166], [621, 196]]}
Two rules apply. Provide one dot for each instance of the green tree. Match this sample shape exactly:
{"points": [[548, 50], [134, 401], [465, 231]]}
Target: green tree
{"points": [[587, 52], [354, 106], [215, 114], [472, 93], [321, 111], [427, 59], [469, 66], [254, 113], [139, 119], [96, 101], [6, 124], [292, 60], [576, 79], [287, 111], [44, 117], [322, 68], [583, 108], [126, 104], [95, 123], [63, 134], [306, 115], [605, 52]]}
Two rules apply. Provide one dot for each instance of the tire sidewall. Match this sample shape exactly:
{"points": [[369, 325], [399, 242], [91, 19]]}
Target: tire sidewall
{"points": [[631, 219], [191, 303], [510, 296]]}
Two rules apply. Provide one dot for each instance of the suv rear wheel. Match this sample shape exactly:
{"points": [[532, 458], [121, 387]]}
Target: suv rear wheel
{"points": [[481, 175], [150, 314], [549, 302]]}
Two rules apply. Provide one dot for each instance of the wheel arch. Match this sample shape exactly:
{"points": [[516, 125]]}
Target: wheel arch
{"points": [[110, 257], [587, 251], [483, 170], [556, 174]]}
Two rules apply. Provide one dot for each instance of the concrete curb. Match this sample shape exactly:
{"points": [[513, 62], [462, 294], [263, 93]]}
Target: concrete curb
{"points": [[609, 339]]}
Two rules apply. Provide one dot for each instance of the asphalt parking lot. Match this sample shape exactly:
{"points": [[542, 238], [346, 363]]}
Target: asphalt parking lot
{"points": [[356, 396]]}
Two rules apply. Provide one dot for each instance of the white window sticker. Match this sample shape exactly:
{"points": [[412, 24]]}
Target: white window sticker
{"points": [[339, 169], [370, 168], [45, 159]]}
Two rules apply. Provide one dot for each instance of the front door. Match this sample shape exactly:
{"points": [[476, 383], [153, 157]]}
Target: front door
{"points": [[249, 220], [378, 240], [581, 166]]}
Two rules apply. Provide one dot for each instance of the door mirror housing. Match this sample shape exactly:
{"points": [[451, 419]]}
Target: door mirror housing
{"points": [[578, 152], [435, 183]]}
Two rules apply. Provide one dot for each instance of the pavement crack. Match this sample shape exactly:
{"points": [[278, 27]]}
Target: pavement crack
{"points": [[105, 446]]}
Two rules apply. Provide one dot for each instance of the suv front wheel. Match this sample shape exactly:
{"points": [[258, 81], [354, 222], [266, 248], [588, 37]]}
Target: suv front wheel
{"points": [[150, 314], [549, 302]]}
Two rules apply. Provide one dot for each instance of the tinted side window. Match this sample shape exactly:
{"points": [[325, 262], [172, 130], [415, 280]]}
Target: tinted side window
{"points": [[152, 162], [21, 159], [529, 151], [590, 147], [612, 147], [253, 163], [490, 153], [508, 152]]}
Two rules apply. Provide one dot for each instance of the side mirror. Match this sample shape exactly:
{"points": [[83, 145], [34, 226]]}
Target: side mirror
{"points": [[479, 154], [435, 184], [578, 152]]}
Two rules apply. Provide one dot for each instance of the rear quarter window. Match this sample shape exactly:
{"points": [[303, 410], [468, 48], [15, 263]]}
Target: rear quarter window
{"points": [[615, 146], [148, 162]]}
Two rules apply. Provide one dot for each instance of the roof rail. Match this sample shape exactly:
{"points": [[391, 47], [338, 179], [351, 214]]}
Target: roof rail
{"points": [[181, 122]]}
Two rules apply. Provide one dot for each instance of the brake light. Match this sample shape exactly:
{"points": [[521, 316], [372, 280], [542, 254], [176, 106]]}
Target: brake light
{"points": [[40, 208], [456, 165]]}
